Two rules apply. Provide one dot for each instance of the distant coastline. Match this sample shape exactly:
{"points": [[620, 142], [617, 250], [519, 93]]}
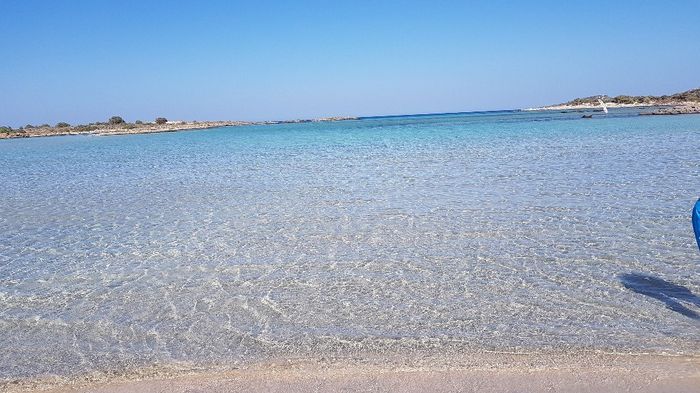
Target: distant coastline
{"points": [[687, 102], [117, 126], [680, 103]]}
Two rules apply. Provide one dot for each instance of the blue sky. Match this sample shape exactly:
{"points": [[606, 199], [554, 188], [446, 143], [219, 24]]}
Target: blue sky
{"points": [[83, 61]]}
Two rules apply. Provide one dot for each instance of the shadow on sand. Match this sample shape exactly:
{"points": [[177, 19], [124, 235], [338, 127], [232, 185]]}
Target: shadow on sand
{"points": [[671, 294]]}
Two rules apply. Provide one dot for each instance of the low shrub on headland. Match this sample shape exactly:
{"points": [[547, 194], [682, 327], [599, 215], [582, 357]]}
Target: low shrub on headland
{"points": [[116, 120], [85, 128]]}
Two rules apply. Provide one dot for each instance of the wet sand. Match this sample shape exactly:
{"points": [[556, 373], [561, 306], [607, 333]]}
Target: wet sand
{"points": [[487, 373]]}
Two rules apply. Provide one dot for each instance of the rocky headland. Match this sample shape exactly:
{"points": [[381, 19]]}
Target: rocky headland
{"points": [[687, 102]]}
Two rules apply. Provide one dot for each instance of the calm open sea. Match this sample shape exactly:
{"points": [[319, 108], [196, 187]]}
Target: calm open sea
{"points": [[507, 231]]}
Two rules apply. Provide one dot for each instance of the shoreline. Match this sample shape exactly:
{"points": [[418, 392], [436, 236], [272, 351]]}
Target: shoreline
{"points": [[151, 128], [485, 372], [563, 107]]}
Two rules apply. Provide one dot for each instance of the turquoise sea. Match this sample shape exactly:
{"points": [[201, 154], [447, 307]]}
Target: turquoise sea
{"points": [[494, 231]]}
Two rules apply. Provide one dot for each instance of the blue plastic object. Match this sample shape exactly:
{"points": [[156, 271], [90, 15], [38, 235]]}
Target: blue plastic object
{"points": [[696, 221]]}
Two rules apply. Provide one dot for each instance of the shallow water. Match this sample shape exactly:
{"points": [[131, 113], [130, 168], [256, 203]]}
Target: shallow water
{"points": [[482, 231]]}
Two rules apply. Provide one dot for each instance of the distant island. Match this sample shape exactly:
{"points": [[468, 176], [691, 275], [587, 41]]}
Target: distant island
{"points": [[116, 125], [679, 103]]}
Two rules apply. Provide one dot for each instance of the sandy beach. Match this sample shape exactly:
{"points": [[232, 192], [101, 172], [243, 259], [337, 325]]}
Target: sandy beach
{"points": [[681, 106], [567, 107], [490, 372]]}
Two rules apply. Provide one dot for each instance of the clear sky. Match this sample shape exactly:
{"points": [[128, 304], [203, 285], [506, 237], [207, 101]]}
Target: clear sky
{"points": [[83, 61]]}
